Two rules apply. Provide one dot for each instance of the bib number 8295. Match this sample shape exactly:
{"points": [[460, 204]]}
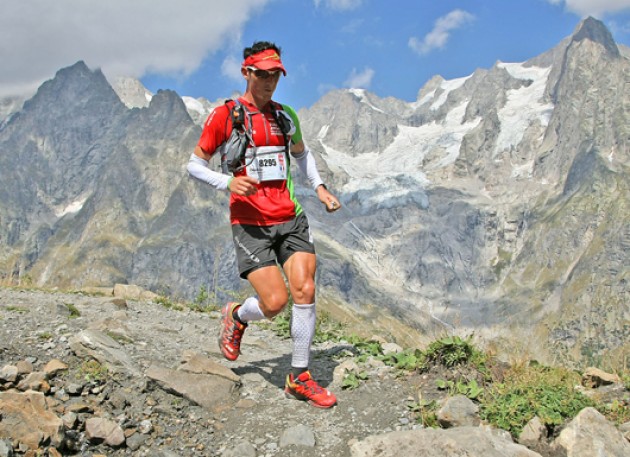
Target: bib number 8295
{"points": [[267, 163]]}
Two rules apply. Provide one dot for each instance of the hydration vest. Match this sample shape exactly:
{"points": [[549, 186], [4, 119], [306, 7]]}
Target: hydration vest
{"points": [[234, 148]]}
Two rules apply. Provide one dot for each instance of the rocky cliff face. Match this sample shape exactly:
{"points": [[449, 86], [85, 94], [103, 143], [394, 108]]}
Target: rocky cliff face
{"points": [[495, 203], [94, 191]]}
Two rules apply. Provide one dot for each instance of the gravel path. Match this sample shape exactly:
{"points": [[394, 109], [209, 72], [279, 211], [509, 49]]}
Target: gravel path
{"points": [[38, 326]]}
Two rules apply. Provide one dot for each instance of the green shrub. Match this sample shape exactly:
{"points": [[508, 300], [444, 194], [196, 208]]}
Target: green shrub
{"points": [[92, 371], [425, 412], [470, 389], [352, 380], [167, 303], [281, 324], [366, 349], [447, 352], [548, 393], [407, 360], [205, 301], [618, 411], [326, 329], [74, 311], [452, 351]]}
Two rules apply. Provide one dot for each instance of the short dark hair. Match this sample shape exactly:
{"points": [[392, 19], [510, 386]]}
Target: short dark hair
{"points": [[260, 46]]}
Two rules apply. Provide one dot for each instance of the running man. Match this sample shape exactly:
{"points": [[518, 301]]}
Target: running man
{"points": [[269, 227]]}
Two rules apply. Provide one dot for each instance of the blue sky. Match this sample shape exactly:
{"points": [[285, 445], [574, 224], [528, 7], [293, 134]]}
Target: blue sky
{"points": [[391, 48]]}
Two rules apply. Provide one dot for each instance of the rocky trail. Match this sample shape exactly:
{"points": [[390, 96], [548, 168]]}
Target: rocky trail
{"points": [[89, 375]]}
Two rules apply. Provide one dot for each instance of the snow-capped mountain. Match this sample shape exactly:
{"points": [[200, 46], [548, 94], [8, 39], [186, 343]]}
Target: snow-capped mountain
{"points": [[131, 92], [134, 95], [496, 203], [480, 204]]}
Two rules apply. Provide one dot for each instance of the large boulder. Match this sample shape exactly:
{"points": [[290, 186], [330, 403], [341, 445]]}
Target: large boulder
{"points": [[590, 434], [27, 420], [468, 441]]}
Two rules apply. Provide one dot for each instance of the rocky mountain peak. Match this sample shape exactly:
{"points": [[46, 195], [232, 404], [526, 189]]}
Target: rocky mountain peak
{"points": [[77, 77], [74, 89], [131, 92], [166, 99], [431, 85], [350, 120], [594, 30], [167, 110]]}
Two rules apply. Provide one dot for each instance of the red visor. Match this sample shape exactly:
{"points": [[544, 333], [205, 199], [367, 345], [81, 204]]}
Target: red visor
{"points": [[265, 60]]}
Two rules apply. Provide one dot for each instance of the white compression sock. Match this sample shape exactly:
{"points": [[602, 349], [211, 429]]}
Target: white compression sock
{"points": [[302, 332], [250, 310]]}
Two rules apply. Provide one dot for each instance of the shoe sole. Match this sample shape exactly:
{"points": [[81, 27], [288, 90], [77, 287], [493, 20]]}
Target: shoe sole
{"points": [[226, 354]]}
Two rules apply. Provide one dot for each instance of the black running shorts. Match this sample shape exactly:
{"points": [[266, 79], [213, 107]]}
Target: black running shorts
{"points": [[258, 247]]}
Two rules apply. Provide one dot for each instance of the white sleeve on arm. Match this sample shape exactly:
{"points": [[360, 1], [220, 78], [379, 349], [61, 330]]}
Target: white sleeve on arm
{"points": [[198, 168], [306, 164]]}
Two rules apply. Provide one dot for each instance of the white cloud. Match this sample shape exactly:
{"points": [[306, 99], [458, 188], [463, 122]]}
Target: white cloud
{"points": [[596, 8], [339, 5], [360, 80], [135, 38], [231, 67], [437, 38]]}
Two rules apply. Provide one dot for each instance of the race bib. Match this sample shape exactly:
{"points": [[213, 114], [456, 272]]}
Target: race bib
{"points": [[266, 163]]}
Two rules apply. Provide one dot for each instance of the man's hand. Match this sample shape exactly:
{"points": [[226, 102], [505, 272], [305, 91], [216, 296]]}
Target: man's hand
{"points": [[328, 199], [243, 185]]}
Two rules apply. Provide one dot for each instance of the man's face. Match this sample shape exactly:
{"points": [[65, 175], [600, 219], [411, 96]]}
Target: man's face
{"points": [[261, 83]]}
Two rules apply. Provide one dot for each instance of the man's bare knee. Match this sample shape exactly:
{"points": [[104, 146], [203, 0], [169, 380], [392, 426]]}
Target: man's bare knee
{"points": [[273, 305], [304, 293]]}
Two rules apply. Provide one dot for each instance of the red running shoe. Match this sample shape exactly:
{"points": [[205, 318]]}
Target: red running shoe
{"points": [[231, 332], [304, 387]]}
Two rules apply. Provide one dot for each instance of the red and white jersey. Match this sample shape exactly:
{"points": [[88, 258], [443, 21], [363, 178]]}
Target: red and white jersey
{"points": [[274, 202]]}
